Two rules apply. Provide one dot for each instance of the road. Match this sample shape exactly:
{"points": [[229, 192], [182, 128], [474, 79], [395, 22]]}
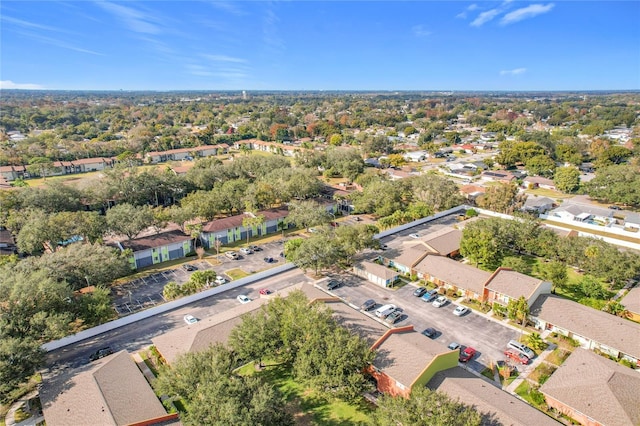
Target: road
{"points": [[136, 336]]}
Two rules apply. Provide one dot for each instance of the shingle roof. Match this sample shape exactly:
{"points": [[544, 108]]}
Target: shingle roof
{"points": [[404, 356], [154, 241], [445, 241], [110, 391], [410, 256], [455, 273], [224, 223], [362, 325], [271, 214], [377, 270], [577, 209], [631, 300], [597, 387], [496, 406], [604, 328], [513, 284]]}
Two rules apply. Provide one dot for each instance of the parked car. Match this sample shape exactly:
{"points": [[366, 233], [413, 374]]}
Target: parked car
{"points": [[100, 353], [418, 292], [615, 207], [384, 247], [333, 284], [467, 354], [460, 310], [440, 301], [522, 348], [453, 345], [516, 356], [414, 235], [312, 230], [265, 291], [243, 299], [190, 319], [220, 280], [255, 248], [394, 316], [232, 255], [429, 295], [246, 250], [368, 305], [385, 310], [269, 259], [430, 332], [188, 267]]}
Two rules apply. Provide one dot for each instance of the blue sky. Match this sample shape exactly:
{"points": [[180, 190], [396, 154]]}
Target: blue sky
{"points": [[327, 45]]}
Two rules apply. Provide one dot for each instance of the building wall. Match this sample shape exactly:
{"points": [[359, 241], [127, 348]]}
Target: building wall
{"points": [[570, 412], [439, 363], [388, 385], [162, 254]]}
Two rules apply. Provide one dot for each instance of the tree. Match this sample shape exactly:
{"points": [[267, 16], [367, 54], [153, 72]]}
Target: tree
{"points": [[354, 239], [19, 359], [480, 247], [556, 272], [616, 184], [517, 264], [518, 310], [424, 407], [305, 214], [567, 179], [172, 290], [317, 252], [252, 222], [502, 198], [534, 340], [41, 166], [436, 191], [541, 165], [592, 288], [614, 307], [126, 219], [214, 395]]}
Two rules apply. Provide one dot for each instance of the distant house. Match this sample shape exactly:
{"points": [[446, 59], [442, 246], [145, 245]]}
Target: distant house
{"points": [[538, 205], [538, 182], [594, 391], [498, 176], [496, 406], [11, 173], [110, 391], [92, 164], [591, 328], [570, 212], [156, 248], [375, 273], [506, 285], [7, 243]]}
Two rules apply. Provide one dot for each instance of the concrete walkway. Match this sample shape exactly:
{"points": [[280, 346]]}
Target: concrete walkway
{"points": [[10, 419], [529, 368], [623, 290]]}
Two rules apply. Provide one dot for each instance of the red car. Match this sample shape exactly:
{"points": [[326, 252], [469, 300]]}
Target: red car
{"points": [[518, 357], [265, 291], [467, 354]]}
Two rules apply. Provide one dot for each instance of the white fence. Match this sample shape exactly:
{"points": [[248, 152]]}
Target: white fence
{"points": [[406, 226], [121, 322]]}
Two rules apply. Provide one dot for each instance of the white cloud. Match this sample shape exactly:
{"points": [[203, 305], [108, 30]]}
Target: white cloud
{"points": [[224, 58], [135, 20], [420, 31], [470, 8], [485, 17], [228, 6], [525, 13], [8, 84], [515, 71], [30, 25]]}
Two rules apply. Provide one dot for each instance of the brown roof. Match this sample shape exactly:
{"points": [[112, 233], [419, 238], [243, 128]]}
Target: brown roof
{"points": [[513, 284], [455, 273], [610, 330], [597, 387], [224, 223], [471, 189], [632, 300], [356, 322], [377, 270], [110, 391], [444, 241], [405, 355], [495, 405], [154, 241], [272, 214], [410, 256], [92, 160]]}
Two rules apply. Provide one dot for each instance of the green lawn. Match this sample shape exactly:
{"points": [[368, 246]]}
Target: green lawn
{"points": [[236, 274], [308, 407]]}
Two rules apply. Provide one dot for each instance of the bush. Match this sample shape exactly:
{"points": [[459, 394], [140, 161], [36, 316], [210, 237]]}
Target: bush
{"points": [[499, 310]]}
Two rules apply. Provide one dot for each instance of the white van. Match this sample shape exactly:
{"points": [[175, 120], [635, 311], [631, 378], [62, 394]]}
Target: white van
{"points": [[385, 310], [523, 349]]}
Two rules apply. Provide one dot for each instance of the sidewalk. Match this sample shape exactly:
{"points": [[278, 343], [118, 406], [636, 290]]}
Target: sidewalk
{"points": [[31, 421], [529, 368]]}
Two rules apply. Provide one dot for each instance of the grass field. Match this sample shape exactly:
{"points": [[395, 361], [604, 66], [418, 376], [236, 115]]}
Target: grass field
{"points": [[306, 406]]}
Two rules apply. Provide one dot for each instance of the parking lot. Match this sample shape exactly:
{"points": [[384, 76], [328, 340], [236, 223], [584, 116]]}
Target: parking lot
{"points": [[145, 292], [487, 336]]}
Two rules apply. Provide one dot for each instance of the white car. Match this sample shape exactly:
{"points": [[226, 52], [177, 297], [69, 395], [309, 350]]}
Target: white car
{"points": [[243, 299], [460, 310], [190, 319], [246, 250], [385, 310], [414, 235], [440, 301], [220, 280]]}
